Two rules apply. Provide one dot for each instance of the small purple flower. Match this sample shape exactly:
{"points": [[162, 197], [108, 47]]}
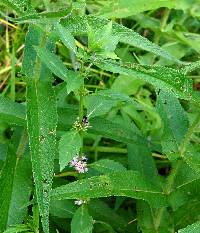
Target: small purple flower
{"points": [[85, 120], [79, 163]]}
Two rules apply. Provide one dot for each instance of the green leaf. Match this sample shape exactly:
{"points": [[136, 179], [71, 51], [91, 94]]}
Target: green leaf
{"points": [[175, 123], [66, 37], [35, 37], [82, 222], [101, 211], [20, 6], [141, 160], [194, 228], [127, 183], [106, 166], [160, 77], [62, 209], [53, 62], [69, 147], [11, 112], [116, 130], [6, 186], [101, 102], [18, 228], [42, 121], [21, 191], [79, 25], [125, 8]]}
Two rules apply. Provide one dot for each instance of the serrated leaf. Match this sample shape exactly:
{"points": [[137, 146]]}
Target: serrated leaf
{"points": [[106, 166], [79, 25], [69, 147], [127, 183], [159, 76], [35, 37], [175, 123], [42, 121], [194, 228], [11, 112], [82, 222], [66, 37]]}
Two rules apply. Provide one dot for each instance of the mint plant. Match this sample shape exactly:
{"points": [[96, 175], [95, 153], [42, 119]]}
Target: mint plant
{"points": [[99, 116]]}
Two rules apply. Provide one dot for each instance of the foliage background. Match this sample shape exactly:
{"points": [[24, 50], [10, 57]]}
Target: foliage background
{"points": [[63, 60]]}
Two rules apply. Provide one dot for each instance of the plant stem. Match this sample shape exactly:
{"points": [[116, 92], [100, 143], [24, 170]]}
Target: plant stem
{"points": [[81, 117]]}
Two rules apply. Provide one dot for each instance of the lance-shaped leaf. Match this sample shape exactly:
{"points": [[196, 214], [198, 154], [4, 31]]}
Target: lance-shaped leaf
{"points": [[160, 77], [11, 112], [80, 25], [82, 222], [42, 121], [127, 183], [175, 123], [66, 37], [194, 228], [69, 146]]}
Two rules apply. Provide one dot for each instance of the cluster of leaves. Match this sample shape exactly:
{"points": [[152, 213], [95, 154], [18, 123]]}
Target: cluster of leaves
{"points": [[90, 85]]}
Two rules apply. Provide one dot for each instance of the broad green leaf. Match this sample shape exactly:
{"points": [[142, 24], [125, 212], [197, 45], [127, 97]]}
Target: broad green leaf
{"points": [[127, 183], [82, 222], [101, 41], [62, 209], [66, 37], [11, 112], [6, 186], [21, 191], [101, 102], [42, 121], [101, 211], [20, 6], [116, 130], [106, 166], [149, 222], [126, 8], [53, 62], [175, 123], [186, 214], [194, 228], [141, 160], [79, 25], [35, 37], [126, 84], [160, 77], [69, 147]]}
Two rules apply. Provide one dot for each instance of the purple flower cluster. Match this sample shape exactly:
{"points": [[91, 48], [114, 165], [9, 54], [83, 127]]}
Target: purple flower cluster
{"points": [[79, 163]]}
